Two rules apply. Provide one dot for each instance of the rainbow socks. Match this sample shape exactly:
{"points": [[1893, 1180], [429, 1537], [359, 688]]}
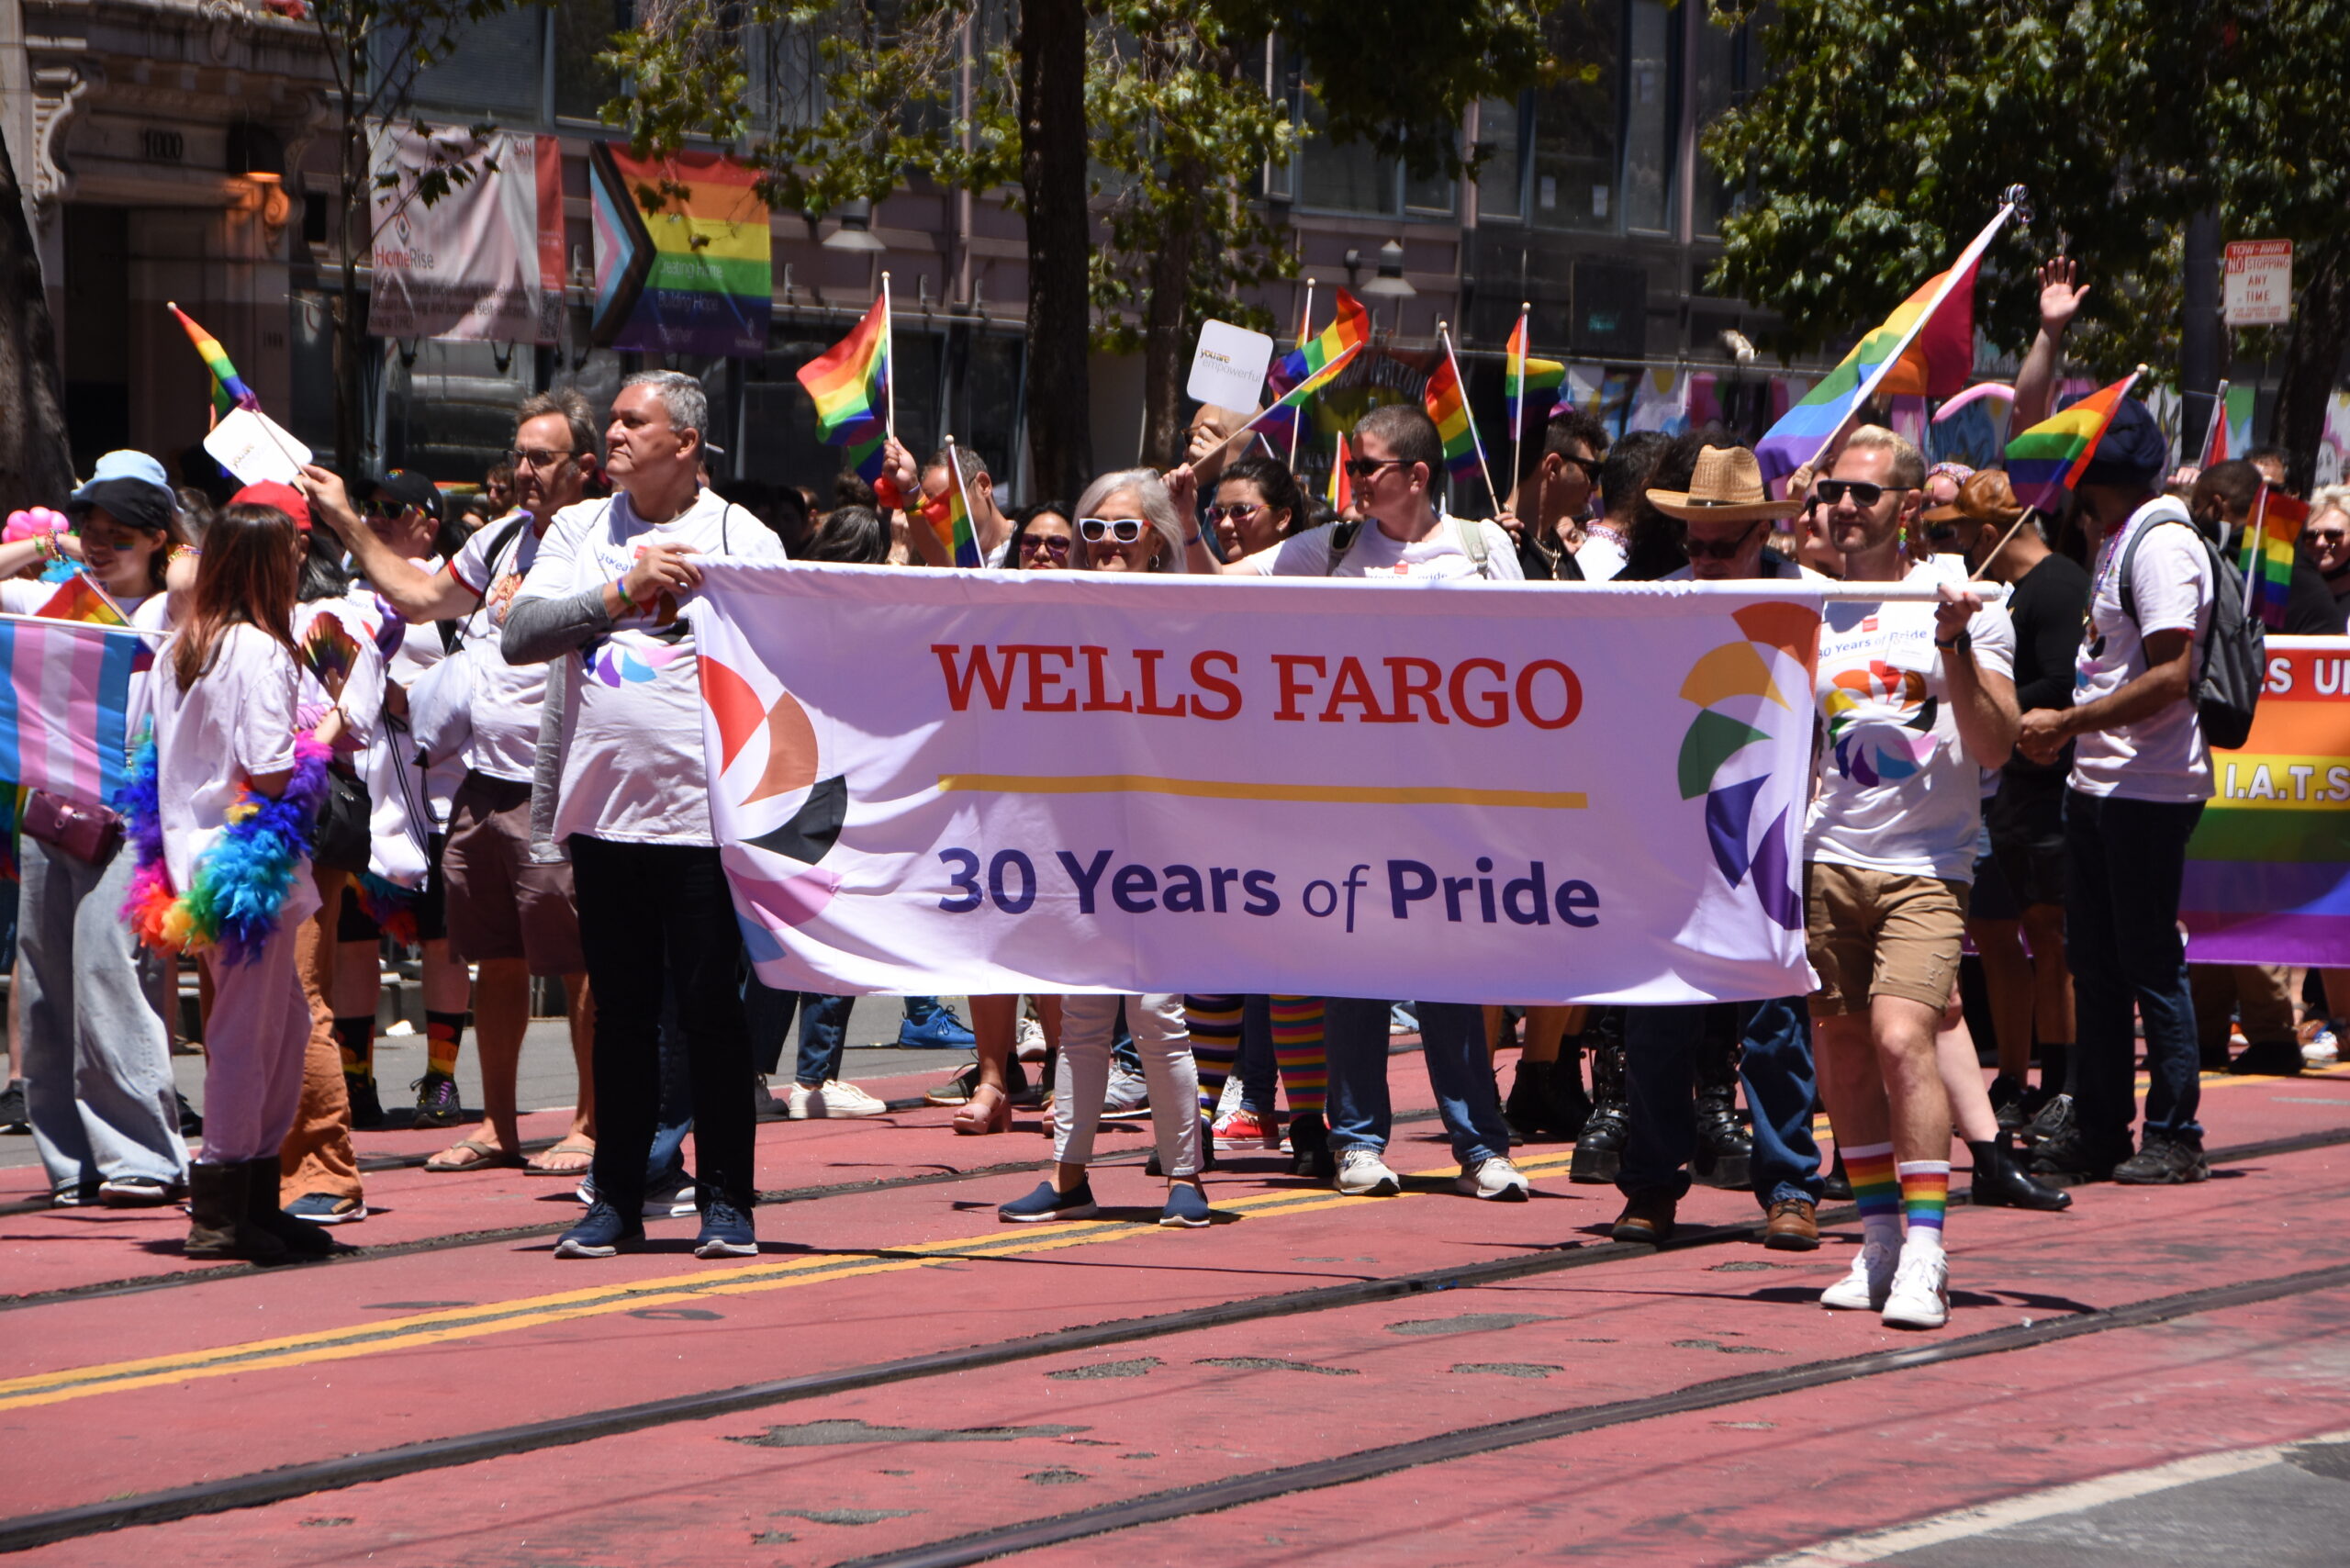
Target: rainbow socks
{"points": [[356, 1039], [1298, 1053], [1214, 1024], [442, 1032], [1876, 1188], [1925, 1193]]}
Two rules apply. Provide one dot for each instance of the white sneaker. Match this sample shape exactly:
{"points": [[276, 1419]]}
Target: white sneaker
{"points": [[673, 1201], [2324, 1047], [1921, 1294], [1868, 1285], [1495, 1178], [1363, 1174], [1028, 1043], [832, 1100], [1128, 1096]]}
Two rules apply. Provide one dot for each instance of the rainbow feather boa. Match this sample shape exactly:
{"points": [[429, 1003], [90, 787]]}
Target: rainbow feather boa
{"points": [[242, 880]]}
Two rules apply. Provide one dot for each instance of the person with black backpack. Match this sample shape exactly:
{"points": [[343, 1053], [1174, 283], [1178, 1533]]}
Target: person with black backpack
{"points": [[2168, 667]]}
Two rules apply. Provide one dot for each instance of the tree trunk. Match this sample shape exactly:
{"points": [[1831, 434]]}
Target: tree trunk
{"points": [[1167, 320], [35, 463], [2313, 356], [353, 195], [1052, 178]]}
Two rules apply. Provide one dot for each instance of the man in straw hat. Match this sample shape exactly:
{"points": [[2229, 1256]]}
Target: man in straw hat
{"points": [[1671, 1052], [1915, 699]]}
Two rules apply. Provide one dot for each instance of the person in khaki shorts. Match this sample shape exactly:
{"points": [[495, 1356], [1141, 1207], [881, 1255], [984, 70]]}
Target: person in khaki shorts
{"points": [[508, 915], [1914, 700]]}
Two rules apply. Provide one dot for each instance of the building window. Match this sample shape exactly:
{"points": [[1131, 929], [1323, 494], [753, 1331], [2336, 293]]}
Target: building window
{"points": [[1573, 179], [1650, 115], [1342, 176], [1501, 194], [583, 30], [497, 70], [1721, 77]]}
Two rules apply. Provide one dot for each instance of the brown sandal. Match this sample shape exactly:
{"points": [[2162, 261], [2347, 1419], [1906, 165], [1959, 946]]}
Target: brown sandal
{"points": [[979, 1117], [538, 1166], [476, 1156]]}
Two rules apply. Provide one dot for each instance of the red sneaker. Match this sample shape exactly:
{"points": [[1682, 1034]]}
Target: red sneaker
{"points": [[1247, 1129]]}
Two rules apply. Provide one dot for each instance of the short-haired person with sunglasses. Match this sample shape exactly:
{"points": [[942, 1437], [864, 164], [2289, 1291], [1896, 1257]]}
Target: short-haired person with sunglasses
{"points": [[1914, 700], [508, 915], [1404, 533], [1555, 494]]}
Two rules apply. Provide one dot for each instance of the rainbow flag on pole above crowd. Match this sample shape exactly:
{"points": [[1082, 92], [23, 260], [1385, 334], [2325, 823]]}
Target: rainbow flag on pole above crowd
{"points": [[849, 384], [2047, 460], [949, 514], [2268, 539], [1925, 349], [1523, 377], [1285, 406], [229, 391], [1449, 406], [1310, 360], [1342, 483]]}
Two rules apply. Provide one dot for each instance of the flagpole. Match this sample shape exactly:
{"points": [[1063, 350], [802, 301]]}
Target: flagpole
{"points": [[84, 625], [889, 362], [1963, 267], [1444, 333], [1517, 411], [2255, 544], [1983, 572], [1304, 324]]}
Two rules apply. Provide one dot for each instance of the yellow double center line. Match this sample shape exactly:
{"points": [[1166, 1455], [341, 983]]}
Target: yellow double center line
{"points": [[531, 1312]]}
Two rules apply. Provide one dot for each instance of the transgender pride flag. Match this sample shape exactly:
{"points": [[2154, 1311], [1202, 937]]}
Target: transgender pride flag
{"points": [[1926, 348], [62, 707]]}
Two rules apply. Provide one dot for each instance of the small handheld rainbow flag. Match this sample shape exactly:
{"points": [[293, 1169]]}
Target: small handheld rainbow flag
{"points": [[949, 514], [80, 597], [1447, 405], [2215, 434], [1296, 397], [1523, 377], [1342, 483], [229, 391], [2268, 539], [850, 382], [2047, 460], [1348, 331]]}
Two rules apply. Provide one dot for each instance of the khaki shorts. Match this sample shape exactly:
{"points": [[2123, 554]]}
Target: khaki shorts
{"points": [[1881, 934], [501, 905]]}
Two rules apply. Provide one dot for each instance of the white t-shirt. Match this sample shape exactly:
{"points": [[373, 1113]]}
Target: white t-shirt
{"points": [[995, 556], [235, 722], [506, 698], [1897, 792], [1378, 553], [632, 767], [2161, 757], [1601, 558]]}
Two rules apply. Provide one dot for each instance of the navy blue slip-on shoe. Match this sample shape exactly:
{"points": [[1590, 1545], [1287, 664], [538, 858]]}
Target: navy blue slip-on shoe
{"points": [[1187, 1207], [603, 1232], [1044, 1204], [726, 1232]]}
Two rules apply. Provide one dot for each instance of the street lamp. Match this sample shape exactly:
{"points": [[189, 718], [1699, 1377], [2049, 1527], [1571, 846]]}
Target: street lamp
{"points": [[1391, 281], [855, 230]]}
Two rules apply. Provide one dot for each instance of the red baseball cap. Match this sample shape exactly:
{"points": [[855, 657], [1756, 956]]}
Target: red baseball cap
{"points": [[285, 497]]}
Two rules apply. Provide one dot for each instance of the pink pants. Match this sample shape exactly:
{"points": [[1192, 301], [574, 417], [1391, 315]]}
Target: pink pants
{"points": [[253, 1039]]}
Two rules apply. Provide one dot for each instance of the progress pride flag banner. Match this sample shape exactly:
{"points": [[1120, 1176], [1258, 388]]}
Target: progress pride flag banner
{"points": [[964, 783]]}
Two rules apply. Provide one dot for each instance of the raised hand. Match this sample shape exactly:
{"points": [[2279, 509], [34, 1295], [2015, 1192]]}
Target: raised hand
{"points": [[2060, 292]]}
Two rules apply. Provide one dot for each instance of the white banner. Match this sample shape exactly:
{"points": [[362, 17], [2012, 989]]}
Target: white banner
{"points": [[483, 261], [966, 783]]}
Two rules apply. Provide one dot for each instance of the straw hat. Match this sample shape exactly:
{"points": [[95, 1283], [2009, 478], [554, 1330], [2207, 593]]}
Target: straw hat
{"points": [[1986, 497], [1727, 487]]}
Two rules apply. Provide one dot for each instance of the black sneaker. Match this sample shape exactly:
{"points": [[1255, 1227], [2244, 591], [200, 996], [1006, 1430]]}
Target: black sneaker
{"points": [[2163, 1160], [191, 1124], [2068, 1154], [12, 1109], [2268, 1058], [366, 1110], [726, 1232], [437, 1104], [2052, 1120], [1836, 1184], [2008, 1097], [601, 1233], [765, 1106]]}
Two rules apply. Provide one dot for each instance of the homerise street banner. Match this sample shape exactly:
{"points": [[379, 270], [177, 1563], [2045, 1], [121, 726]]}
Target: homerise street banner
{"points": [[2268, 869], [986, 782]]}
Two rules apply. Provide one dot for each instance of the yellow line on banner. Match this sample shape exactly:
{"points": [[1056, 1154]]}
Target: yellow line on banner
{"points": [[531, 1312], [1223, 789]]}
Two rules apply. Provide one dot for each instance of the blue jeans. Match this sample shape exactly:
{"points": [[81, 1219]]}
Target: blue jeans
{"points": [[823, 1031], [1661, 1047], [2124, 860], [1452, 1043]]}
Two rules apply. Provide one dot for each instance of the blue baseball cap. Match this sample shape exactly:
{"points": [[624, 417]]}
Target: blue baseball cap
{"points": [[129, 465]]}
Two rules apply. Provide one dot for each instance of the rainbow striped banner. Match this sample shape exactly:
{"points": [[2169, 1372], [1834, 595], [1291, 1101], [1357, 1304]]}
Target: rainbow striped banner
{"points": [[2268, 539], [64, 706], [2268, 869], [696, 277]]}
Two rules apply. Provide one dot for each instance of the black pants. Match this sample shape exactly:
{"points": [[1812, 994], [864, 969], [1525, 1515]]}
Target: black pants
{"points": [[649, 912]]}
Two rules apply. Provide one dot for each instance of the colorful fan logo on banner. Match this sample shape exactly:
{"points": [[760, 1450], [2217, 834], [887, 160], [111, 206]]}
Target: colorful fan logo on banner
{"points": [[1744, 695], [1881, 723], [775, 875]]}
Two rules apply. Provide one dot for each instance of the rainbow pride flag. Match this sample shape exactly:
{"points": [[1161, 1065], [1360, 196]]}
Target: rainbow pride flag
{"points": [[1285, 406], [849, 382], [2230, 433], [1307, 362], [1925, 349], [2046, 460], [80, 597], [1342, 483], [1449, 406], [2268, 868], [64, 695], [696, 277], [2268, 539], [229, 391], [1524, 378], [949, 516]]}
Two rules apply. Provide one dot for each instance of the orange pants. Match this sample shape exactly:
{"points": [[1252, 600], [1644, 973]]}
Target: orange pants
{"points": [[318, 1156]]}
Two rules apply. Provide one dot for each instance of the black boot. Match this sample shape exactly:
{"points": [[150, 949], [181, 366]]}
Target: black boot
{"points": [[1570, 1106], [1309, 1147], [218, 1226], [1528, 1109], [1599, 1153], [299, 1237], [2002, 1182], [1836, 1184], [1725, 1148]]}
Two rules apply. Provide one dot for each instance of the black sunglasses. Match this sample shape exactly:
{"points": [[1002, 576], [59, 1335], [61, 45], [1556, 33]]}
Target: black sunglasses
{"points": [[1590, 466], [1865, 495], [1719, 549], [1360, 468], [1045, 544]]}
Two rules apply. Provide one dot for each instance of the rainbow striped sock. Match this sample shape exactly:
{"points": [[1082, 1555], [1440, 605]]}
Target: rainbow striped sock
{"points": [[1876, 1188], [1298, 1052], [443, 1032], [1214, 1023], [1925, 1192], [356, 1038]]}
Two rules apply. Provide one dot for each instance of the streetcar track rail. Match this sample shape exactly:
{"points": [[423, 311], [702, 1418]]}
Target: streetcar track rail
{"points": [[285, 1483]]}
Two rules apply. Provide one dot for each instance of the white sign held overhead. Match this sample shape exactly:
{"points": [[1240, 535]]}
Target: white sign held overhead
{"points": [[256, 448], [2258, 290], [1228, 368]]}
